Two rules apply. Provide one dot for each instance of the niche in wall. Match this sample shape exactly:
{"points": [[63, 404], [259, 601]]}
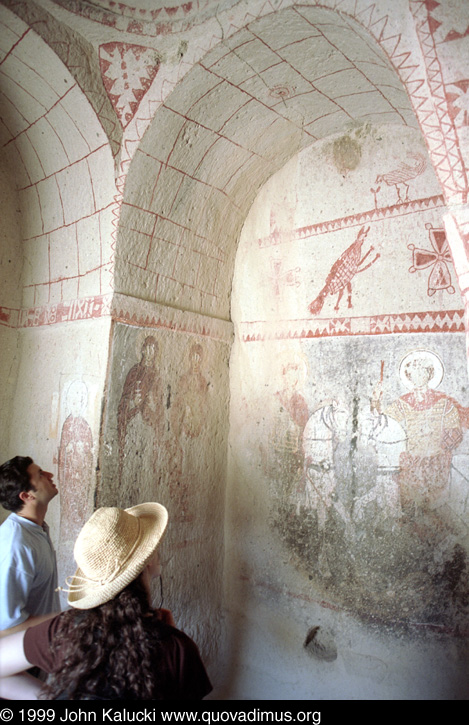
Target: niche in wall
{"points": [[350, 401]]}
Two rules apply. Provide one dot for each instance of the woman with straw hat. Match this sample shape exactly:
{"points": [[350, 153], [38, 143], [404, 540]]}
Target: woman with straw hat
{"points": [[112, 644]]}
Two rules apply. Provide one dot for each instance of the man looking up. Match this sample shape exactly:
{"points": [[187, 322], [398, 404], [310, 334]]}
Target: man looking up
{"points": [[28, 567]]}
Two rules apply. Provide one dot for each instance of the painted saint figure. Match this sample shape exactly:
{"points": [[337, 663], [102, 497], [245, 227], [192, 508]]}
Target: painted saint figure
{"points": [[75, 471], [75, 463], [140, 419], [189, 411], [433, 423], [188, 417]]}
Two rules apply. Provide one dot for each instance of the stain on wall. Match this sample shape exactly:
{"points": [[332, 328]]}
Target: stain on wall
{"points": [[376, 517]]}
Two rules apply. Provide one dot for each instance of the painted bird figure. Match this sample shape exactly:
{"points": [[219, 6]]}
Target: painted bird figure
{"points": [[404, 172], [342, 273]]}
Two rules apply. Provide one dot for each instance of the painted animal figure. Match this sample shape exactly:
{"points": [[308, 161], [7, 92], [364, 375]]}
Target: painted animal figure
{"points": [[326, 426], [342, 273], [388, 439], [403, 173]]}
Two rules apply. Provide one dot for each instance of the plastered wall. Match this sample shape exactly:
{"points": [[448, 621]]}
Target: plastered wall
{"points": [[164, 438], [348, 468], [136, 139], [10, 270]]}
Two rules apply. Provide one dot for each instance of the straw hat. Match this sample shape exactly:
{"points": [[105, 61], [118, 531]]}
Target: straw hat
{"points": [[112, 549]]}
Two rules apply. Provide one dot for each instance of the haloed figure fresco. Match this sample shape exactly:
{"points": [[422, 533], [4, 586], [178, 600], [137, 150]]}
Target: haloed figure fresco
{"points": [[75, 463], [380, 516], [433, 423], [140, 420]]}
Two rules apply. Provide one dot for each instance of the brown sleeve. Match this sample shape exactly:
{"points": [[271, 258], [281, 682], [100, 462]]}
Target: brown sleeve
{"points": [[191, 681], [36, 644]]}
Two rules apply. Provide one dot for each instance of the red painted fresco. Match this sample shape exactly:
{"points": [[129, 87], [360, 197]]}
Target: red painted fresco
{"points": [[75, 466], [402, 174], [127, 72], [343, 271], [140, 419], [436, 259]]}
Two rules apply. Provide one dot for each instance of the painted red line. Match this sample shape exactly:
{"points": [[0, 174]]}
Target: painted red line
{"points": [[202, 96], [232, 115], [176, 195], [245, 161], [91, 183], [307, 79], [35, 151], [61, 200], [194, 178], [231, 50], [177, 281], [15, 44], [188, 249], [43, 115], [64, 226], [59, 171], [207, 128], [15, 111], [16, 82], [22, 162], [78, 128], [261, 103], [60, 140], [351, 61], [4, 124], [34, 70], [177, 224], [63, 279]]}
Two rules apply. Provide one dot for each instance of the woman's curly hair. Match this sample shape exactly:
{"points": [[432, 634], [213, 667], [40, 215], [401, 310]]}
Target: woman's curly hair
{"points": [[108, 652]]}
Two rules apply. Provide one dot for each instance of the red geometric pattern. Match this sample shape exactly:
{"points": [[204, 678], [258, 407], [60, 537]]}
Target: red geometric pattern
{"points": [[438, 125], [139, 21], [353, 220], [127, 72], [409, 322], [88, 308], [120, 309], [458, 103], [437, 258]]}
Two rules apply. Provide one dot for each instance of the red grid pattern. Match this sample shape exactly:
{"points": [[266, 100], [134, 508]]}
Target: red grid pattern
{"points": [[225, 129], [56, 146]]}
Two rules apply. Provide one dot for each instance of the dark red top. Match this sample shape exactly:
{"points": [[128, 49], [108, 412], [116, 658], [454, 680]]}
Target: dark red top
{"points": [[180, 674]]}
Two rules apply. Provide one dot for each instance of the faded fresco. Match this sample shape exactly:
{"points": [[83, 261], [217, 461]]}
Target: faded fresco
{"points": [[369, 481], [140, 419], [353, 378], [76, 474], [165, 440]]}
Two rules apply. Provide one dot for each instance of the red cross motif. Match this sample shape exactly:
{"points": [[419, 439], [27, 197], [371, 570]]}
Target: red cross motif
{"points": [[279, 277], [437, 259]]}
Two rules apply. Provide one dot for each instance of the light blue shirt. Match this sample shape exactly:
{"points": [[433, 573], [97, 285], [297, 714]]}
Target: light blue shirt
{"points": [[28, 571]]}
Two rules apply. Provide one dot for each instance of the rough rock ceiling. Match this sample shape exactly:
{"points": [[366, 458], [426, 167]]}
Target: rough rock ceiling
{"points": [[275, 87]]}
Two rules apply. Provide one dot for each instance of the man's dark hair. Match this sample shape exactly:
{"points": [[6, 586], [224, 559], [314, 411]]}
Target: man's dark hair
{"points": [[14, 479]]}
